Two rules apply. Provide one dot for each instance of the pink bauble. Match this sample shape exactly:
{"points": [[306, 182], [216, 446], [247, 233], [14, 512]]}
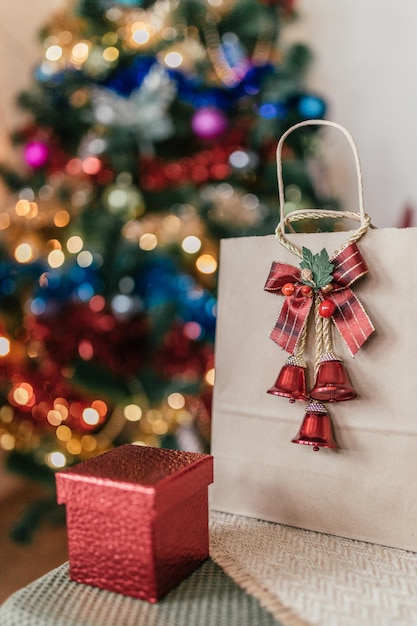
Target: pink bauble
{"points": [[208, 122], [36, 154]]}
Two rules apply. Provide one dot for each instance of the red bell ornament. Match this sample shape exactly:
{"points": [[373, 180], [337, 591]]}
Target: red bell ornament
{"points": [[316, 429], [291, 382], [332, 381]]}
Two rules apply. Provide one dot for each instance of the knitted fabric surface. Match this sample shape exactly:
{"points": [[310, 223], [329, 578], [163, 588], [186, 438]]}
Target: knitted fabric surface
{"points": [[208, 598], [308, 578]]}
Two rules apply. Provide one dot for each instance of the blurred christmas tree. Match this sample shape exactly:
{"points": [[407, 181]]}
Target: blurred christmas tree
{"points": [[151, 134]]}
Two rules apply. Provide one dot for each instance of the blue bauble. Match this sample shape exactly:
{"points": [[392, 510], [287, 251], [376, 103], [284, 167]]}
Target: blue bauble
{"points": [[127, 79], [63, 284], [311, 107], [272, 110], [251, 83], [155, 283], [197, 305]]}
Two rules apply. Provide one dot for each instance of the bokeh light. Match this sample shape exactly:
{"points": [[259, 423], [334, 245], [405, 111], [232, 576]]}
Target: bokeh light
{"points": [[206, 264], [23, 253]]}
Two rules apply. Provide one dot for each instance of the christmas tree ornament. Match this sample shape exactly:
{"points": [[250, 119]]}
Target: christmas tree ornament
{"points": [[144, 109], [36, 154], [332, 381], [209, 122], [124, 198], [321, 284], [291, 381], [311, 106], [316, 428]]}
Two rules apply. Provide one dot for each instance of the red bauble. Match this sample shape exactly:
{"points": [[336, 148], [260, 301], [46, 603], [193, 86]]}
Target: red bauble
{"points": [[327, 308]]}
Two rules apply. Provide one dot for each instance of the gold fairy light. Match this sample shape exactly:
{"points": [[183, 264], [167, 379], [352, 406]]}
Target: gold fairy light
{"points": [[4, 221], [142, 25], [54, 244], [73, 446], [173, 59], [114, 14], [53, 53], [184, 417], [56, 459], [148, 241], [223, 70], [61, 405], [84, 258], [4, 346], [7, 441], [24, 208], [61, 218], [80, 52], [88, 443], [56, 259], [176, 400], [153, 415], [132, 412], [54, 417], [6, 414], [75, 244], [206, 264], [191, 244], [111, 54], [63, 433], [110, 38], [90, 416], [139, 34], [171, 224], [24, 253], [209, 377], [160, 427], [217, 57]]}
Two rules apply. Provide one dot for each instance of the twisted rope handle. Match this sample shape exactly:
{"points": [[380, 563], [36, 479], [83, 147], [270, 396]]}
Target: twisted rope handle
{"points": [[294, 216]]}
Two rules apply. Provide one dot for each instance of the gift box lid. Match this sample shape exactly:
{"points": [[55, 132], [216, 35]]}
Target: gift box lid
{"points": [[154, 478]]}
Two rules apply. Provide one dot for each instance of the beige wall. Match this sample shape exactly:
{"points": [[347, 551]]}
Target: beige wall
{"points": [[365, 62], [366, 65], [20, 21]]}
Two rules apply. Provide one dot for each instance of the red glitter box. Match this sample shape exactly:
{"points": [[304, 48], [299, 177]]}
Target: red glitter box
{"points": [[137, 518]]}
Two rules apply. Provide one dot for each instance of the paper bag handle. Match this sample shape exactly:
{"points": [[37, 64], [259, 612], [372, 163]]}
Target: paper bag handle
{"points": [[319, 213]]}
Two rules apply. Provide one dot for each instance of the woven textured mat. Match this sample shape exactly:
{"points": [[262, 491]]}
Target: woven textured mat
{"points": [[207, 598], [307, 578]]}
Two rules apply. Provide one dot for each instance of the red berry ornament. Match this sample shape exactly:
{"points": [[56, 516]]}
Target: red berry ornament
{"points": [[307, 291], [327, 308], [288, 289]]}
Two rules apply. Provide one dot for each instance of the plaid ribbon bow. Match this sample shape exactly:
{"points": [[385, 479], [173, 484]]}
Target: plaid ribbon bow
{"points": [[350, 317]]}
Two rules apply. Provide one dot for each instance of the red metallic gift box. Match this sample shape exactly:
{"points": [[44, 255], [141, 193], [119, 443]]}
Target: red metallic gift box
{"points": [[137, 518]]}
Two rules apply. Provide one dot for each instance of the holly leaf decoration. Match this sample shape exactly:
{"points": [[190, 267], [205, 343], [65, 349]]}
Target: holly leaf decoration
{"points": [[318, 268]]}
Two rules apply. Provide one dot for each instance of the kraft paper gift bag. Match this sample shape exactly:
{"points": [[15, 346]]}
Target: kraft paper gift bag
{"points": [[366, 487]]}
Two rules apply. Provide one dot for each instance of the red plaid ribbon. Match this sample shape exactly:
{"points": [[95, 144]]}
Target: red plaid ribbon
{"points": [[350, 317]]}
